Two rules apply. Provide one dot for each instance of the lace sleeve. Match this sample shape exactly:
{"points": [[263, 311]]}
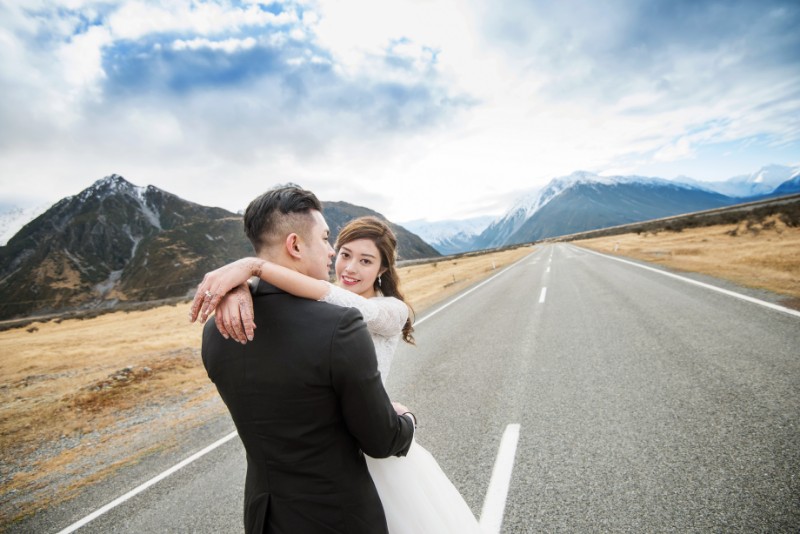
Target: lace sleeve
{"points": [[384, 316]]}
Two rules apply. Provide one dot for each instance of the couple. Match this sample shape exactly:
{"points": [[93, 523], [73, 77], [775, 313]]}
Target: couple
{"points": [[327, 452]]}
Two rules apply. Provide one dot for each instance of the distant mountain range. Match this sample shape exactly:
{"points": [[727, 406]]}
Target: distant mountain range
{"points": [[586, 201], [452, 236], [409, 245], [119, 242], [762, 183]]}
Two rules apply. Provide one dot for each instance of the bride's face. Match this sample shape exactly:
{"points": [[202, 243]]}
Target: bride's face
{"points": [[358, 264]]}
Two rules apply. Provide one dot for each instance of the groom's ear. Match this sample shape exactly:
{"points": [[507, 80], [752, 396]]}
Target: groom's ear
{"points": [[292, 245]]}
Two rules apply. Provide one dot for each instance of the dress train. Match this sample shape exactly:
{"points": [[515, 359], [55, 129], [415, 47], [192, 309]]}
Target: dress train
{"points": [[417, 496]]}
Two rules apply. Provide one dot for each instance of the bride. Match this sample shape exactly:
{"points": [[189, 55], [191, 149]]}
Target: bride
{"points": [[417, 496]]}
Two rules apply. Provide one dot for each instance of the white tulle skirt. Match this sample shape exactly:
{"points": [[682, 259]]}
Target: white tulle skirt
{"points": [[417, 496]]}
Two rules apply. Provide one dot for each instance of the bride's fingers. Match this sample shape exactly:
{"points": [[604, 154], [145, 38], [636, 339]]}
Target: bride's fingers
{"points": [[196, 304], [231, 328], [221, 326], [238, 332], [210, 302], [246, 313], [204, 312], [228, 319]]}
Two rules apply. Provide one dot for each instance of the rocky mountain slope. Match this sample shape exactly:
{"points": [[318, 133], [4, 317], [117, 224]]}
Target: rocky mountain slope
{"points": [[586, 206], [113, 242], [409, 246], [117, 242]]}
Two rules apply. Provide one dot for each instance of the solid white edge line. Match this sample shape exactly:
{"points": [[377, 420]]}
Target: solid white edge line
{"points": [[701, 284], [116, 502], [542, 295], [495, 503], [462, 295]]}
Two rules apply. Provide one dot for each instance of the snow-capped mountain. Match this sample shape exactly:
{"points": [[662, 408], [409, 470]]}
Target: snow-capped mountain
{"points": [[501, 230], [14, 218], [788, 187], [115, 241], [585, 201], [503, 227], [450, 236], [762, 182]]}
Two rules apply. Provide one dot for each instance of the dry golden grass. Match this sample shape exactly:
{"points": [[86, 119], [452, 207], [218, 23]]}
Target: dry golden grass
{"points": [[763, 255], [428, 283], [79, 398], [68, 388]]}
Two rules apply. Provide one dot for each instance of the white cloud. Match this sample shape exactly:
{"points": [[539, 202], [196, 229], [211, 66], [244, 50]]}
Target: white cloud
{"points": [[81, 60], [137, 19], [552, 89], [227, 45], [356, 31], [680, 149]]}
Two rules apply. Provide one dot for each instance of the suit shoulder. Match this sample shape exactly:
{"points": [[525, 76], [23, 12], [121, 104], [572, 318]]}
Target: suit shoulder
{"points": [[332, 312]]}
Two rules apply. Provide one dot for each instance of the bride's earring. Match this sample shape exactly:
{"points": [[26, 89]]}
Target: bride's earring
{"points": [[379, 280]]}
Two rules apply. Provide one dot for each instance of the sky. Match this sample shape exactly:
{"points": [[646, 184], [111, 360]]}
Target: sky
{"points": [[418, 109]]}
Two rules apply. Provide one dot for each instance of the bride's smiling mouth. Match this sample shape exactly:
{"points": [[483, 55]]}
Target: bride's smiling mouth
{"points": [[346, 280]]}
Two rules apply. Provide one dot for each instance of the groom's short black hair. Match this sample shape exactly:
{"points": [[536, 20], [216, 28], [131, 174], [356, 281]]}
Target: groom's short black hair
{"points": [[277, 213]]}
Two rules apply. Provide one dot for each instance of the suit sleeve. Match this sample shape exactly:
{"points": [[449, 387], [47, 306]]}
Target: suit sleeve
{"points": [[366, 408]]}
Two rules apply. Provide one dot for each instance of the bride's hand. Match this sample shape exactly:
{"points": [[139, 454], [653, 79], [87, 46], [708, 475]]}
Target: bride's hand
{"points": [[400, 408], [216, 285], [234, 317]]}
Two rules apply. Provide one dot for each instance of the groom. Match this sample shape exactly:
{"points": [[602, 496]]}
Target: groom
{"points": [[305, 394]]}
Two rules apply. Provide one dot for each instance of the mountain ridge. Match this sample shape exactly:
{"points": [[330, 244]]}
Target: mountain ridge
{"points": [[117, 242], [133, 232], [450, 236], [584, 201]]}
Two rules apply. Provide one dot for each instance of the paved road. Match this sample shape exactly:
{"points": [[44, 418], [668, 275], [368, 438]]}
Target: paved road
{"points": [[645, 404]]}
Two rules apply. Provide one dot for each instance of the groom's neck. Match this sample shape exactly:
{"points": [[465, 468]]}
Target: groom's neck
{"points": [[282, 259]]}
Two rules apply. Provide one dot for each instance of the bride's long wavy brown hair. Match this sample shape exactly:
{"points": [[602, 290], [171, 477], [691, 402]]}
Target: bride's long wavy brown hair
{"points": [[379, 233]]}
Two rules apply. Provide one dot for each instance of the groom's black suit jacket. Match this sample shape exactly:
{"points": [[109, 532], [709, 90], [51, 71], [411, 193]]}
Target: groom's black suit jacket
{"points": [[307, 399]]}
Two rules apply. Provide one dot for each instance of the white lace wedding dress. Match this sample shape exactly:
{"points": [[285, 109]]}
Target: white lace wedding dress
{"points": [[417, 496]]}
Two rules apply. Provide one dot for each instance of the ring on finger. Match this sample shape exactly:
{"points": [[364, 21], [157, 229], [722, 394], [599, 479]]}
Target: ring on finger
{"points": [[208, 294]]}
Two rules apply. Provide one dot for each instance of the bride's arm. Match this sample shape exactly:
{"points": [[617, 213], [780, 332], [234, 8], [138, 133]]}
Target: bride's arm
{"points": [[384, 316], [218, 283]]}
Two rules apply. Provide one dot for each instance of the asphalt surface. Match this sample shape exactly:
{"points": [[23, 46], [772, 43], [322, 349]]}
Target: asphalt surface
{"points": [[645, 404]]}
